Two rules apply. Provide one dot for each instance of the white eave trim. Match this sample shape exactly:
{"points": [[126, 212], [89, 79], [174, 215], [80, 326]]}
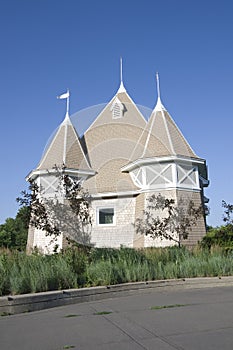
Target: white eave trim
{"points": [[35, 173], [145, 161], [114, 195]]}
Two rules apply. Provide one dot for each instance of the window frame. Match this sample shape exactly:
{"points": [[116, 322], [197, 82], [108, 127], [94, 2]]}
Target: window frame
{"points": [[98, 216]]}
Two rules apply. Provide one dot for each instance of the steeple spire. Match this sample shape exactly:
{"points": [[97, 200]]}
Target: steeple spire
{"points": [[158, 87], [121, 70], [159, 106], [121, 88]]}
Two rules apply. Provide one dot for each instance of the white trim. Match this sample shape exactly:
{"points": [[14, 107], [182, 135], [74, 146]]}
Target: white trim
{"points": [[159, 174], [65, 143], [143, 177], [149, 134], [148, 182], [97, 196], [186, 174], [49, 184], [168, 188], [73, 172], [174, 173], [144, 161], [167, 131], [121, 88]]}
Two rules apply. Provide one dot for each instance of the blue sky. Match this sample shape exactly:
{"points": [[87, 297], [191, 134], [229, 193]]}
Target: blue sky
{"points": [[48, 46]]}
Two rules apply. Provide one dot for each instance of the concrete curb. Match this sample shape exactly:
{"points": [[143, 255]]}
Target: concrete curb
{"points": [[16, 304]]}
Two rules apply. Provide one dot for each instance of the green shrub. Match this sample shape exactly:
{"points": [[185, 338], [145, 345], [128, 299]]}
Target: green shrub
{"points": [[221, 236]]}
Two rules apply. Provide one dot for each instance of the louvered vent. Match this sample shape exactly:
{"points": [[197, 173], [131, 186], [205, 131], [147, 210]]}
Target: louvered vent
{"points": [[117, 109], [116, 112]]}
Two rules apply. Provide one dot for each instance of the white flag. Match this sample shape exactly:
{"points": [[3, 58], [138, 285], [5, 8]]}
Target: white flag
{"points": [[65, 95]]}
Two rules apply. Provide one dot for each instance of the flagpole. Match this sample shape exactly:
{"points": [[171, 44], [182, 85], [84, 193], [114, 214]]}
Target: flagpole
{"points": [[66, 96]]}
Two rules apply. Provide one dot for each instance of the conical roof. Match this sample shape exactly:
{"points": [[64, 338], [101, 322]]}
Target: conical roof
{"points": [[65, 149], [161, 137], [110, 141]]}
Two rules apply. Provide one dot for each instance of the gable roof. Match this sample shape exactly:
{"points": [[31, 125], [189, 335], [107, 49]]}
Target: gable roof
{"points": [[65, 149], [161, 137]]}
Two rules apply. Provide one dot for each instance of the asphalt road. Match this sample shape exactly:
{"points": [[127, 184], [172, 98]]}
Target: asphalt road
{"points": [[160, 318]]}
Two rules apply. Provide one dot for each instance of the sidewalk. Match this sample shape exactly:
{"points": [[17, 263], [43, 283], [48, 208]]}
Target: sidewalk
{"points": [[195, 315]]}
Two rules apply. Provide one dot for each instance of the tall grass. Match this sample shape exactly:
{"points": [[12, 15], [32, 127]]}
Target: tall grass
{"points": [[74, 268], [21, 274], [128, 265]]}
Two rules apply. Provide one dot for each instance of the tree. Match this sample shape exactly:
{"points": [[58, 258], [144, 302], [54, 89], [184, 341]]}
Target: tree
{"points": [[227, 213], [7, 233], [165, 220], [13, 233], [221, 236], [67, 212]]}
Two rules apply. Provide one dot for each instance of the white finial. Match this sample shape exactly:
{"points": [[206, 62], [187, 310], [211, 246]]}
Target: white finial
{"points": [[158, 87], [121, 71], [159, 106], [68, 103], [121, 88]]}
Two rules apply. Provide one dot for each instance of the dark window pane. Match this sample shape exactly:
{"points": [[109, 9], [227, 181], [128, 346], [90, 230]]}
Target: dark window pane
{"points": [[106, 216]]}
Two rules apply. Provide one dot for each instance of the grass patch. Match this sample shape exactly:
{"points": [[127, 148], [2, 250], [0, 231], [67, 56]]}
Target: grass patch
{"points": [[68, 347], [71, 315], [160, 307], [103, 313]]}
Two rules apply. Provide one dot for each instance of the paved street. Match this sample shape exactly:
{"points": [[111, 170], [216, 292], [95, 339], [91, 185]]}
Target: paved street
{"points": [[161, 318]]}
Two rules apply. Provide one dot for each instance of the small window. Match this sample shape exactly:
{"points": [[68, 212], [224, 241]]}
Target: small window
{"points": [[106, 216]]}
